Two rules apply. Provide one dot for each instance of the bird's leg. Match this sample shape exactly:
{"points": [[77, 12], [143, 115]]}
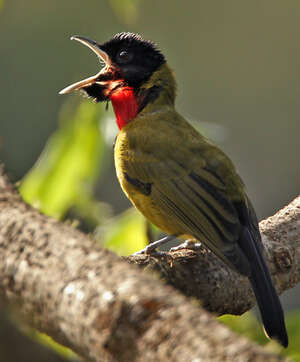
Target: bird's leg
{"points": [[188, 244], [150, 249]]}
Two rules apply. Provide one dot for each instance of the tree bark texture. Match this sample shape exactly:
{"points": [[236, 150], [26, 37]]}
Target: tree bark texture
{"points": [[107, 310]]}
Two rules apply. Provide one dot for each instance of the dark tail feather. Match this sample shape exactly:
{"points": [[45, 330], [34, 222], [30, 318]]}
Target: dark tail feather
{"points": [[264, 290]]}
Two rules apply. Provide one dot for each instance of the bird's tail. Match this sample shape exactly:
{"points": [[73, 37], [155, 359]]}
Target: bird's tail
{"points": [[264, 290]]}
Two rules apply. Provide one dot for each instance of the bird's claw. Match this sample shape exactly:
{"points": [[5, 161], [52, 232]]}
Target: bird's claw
{"points": [[148, 250], [151, 248], [188, 244]]}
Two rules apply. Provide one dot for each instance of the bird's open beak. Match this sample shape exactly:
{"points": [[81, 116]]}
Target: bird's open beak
{"points": [[96, 79]]}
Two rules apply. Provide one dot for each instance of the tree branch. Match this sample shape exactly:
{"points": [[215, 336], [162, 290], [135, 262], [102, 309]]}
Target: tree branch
{"points": [[221, 290], [92, 301]]}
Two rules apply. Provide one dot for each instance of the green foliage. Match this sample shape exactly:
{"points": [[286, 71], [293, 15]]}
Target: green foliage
{"points": [[246, 325], [50, 343], [66, 171], [125, 233]]}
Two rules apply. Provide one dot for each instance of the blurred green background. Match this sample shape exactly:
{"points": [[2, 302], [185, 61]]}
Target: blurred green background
{"points": [[237, 67]]}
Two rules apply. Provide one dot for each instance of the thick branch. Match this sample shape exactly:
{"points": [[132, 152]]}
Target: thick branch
{"points": [[221, 290], [87, 298]]}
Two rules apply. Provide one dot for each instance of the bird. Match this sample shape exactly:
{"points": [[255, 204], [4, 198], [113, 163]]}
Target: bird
{"points": [[178, 179]]}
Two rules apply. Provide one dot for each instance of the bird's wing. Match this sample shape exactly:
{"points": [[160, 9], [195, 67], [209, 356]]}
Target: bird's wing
{"points": [[194, 197]]}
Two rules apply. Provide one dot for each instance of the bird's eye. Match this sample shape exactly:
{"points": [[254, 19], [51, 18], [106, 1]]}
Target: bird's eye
{"points": [[124, 56]]}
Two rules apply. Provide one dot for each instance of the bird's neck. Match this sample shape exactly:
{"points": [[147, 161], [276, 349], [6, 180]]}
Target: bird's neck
{"points": [[159, 90], [125, 105]]}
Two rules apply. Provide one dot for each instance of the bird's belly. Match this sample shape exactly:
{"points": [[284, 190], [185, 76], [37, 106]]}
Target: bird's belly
{"points": [[147, 206], [145, 203]]}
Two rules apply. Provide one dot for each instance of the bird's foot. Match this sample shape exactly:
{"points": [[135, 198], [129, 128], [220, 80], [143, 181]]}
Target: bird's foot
{"points": [[151, 248], [188, 244]]}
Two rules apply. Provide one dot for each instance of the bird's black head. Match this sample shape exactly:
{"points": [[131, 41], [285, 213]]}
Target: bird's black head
{"points": [[135, 58], [129, 61]]}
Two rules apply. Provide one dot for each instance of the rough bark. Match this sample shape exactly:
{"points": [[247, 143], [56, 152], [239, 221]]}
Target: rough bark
{"points": [[92, 301]]}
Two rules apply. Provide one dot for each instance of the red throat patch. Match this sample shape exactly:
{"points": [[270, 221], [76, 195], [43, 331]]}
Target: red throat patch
{"points": [[125, 105]]}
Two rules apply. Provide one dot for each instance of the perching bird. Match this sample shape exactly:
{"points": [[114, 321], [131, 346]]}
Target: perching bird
{"points": [[178, 179]]}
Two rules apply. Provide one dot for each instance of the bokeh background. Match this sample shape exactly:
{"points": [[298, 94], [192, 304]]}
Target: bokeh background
{"points": [[237, 67]]}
